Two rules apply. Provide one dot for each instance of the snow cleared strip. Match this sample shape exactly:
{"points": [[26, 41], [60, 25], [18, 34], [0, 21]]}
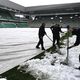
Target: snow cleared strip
{"points": [[8, 63]]}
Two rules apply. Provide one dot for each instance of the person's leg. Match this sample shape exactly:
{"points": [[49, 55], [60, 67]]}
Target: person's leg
{"points": [[42, 46], [58, 43], [38, 43]]}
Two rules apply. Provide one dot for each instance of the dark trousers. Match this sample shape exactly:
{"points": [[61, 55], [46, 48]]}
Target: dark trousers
{"points": [[40, 42], [56, 38]]}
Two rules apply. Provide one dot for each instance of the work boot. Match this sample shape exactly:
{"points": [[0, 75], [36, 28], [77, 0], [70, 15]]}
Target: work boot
{"points": [[43, 48], [37, 47]]}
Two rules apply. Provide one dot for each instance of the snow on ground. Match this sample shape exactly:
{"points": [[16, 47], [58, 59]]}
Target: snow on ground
{"points": [[51, 67], [3, 79], [74, 53], [18, 45]]}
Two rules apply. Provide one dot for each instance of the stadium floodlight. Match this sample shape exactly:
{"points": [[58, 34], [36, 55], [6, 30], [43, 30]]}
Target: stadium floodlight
{"points": [[52, 17], [60, 17], [19, 15], [76, 14], [33, 17], [60, 21], [71, 17], [56, 16]]}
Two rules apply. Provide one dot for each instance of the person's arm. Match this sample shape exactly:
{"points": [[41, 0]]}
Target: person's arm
{"points": [[44, 31], [60, 30], [51, 28]]}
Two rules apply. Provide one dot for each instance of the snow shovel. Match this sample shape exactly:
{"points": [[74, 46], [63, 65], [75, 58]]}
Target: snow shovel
{"points": [[67, 58]]}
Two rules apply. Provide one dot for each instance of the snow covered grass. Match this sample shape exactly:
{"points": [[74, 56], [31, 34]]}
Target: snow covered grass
{"points": [[74, 53], [51, 67]]}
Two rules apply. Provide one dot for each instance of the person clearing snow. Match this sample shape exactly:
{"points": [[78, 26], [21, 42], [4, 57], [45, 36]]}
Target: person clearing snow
{"points": [[56, 29], [77, 33], [41, 35]]}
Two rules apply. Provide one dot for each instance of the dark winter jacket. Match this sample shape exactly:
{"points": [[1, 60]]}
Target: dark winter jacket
{"points": [[76, 32], [55, 30], [41, 31]]}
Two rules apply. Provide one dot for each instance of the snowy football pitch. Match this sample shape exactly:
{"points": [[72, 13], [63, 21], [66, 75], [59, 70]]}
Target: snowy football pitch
{"points": [[18, 45]]}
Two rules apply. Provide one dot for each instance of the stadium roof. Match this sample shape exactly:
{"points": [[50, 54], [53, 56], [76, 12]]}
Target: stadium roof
{"points": [[53, 7], [69, 8], [30, 3]]}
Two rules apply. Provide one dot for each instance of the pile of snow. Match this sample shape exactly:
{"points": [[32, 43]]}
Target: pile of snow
{"points": [[50, 68], [74, 53]]}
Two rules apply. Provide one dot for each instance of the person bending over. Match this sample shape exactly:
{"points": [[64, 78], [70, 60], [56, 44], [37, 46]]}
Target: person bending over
{"points": [[56, 29]]}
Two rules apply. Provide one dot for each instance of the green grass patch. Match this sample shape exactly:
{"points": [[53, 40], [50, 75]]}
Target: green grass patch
{"points": [[67, 34], [15, 74]]}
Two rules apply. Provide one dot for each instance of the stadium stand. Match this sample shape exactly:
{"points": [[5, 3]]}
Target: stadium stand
{"points": [[22, 25], [63, 14], [63, 20], [4, 14], [8, 25], [9, 21]]}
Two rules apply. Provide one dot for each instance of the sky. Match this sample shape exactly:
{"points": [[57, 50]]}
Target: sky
{"points": [[29, 3]]}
